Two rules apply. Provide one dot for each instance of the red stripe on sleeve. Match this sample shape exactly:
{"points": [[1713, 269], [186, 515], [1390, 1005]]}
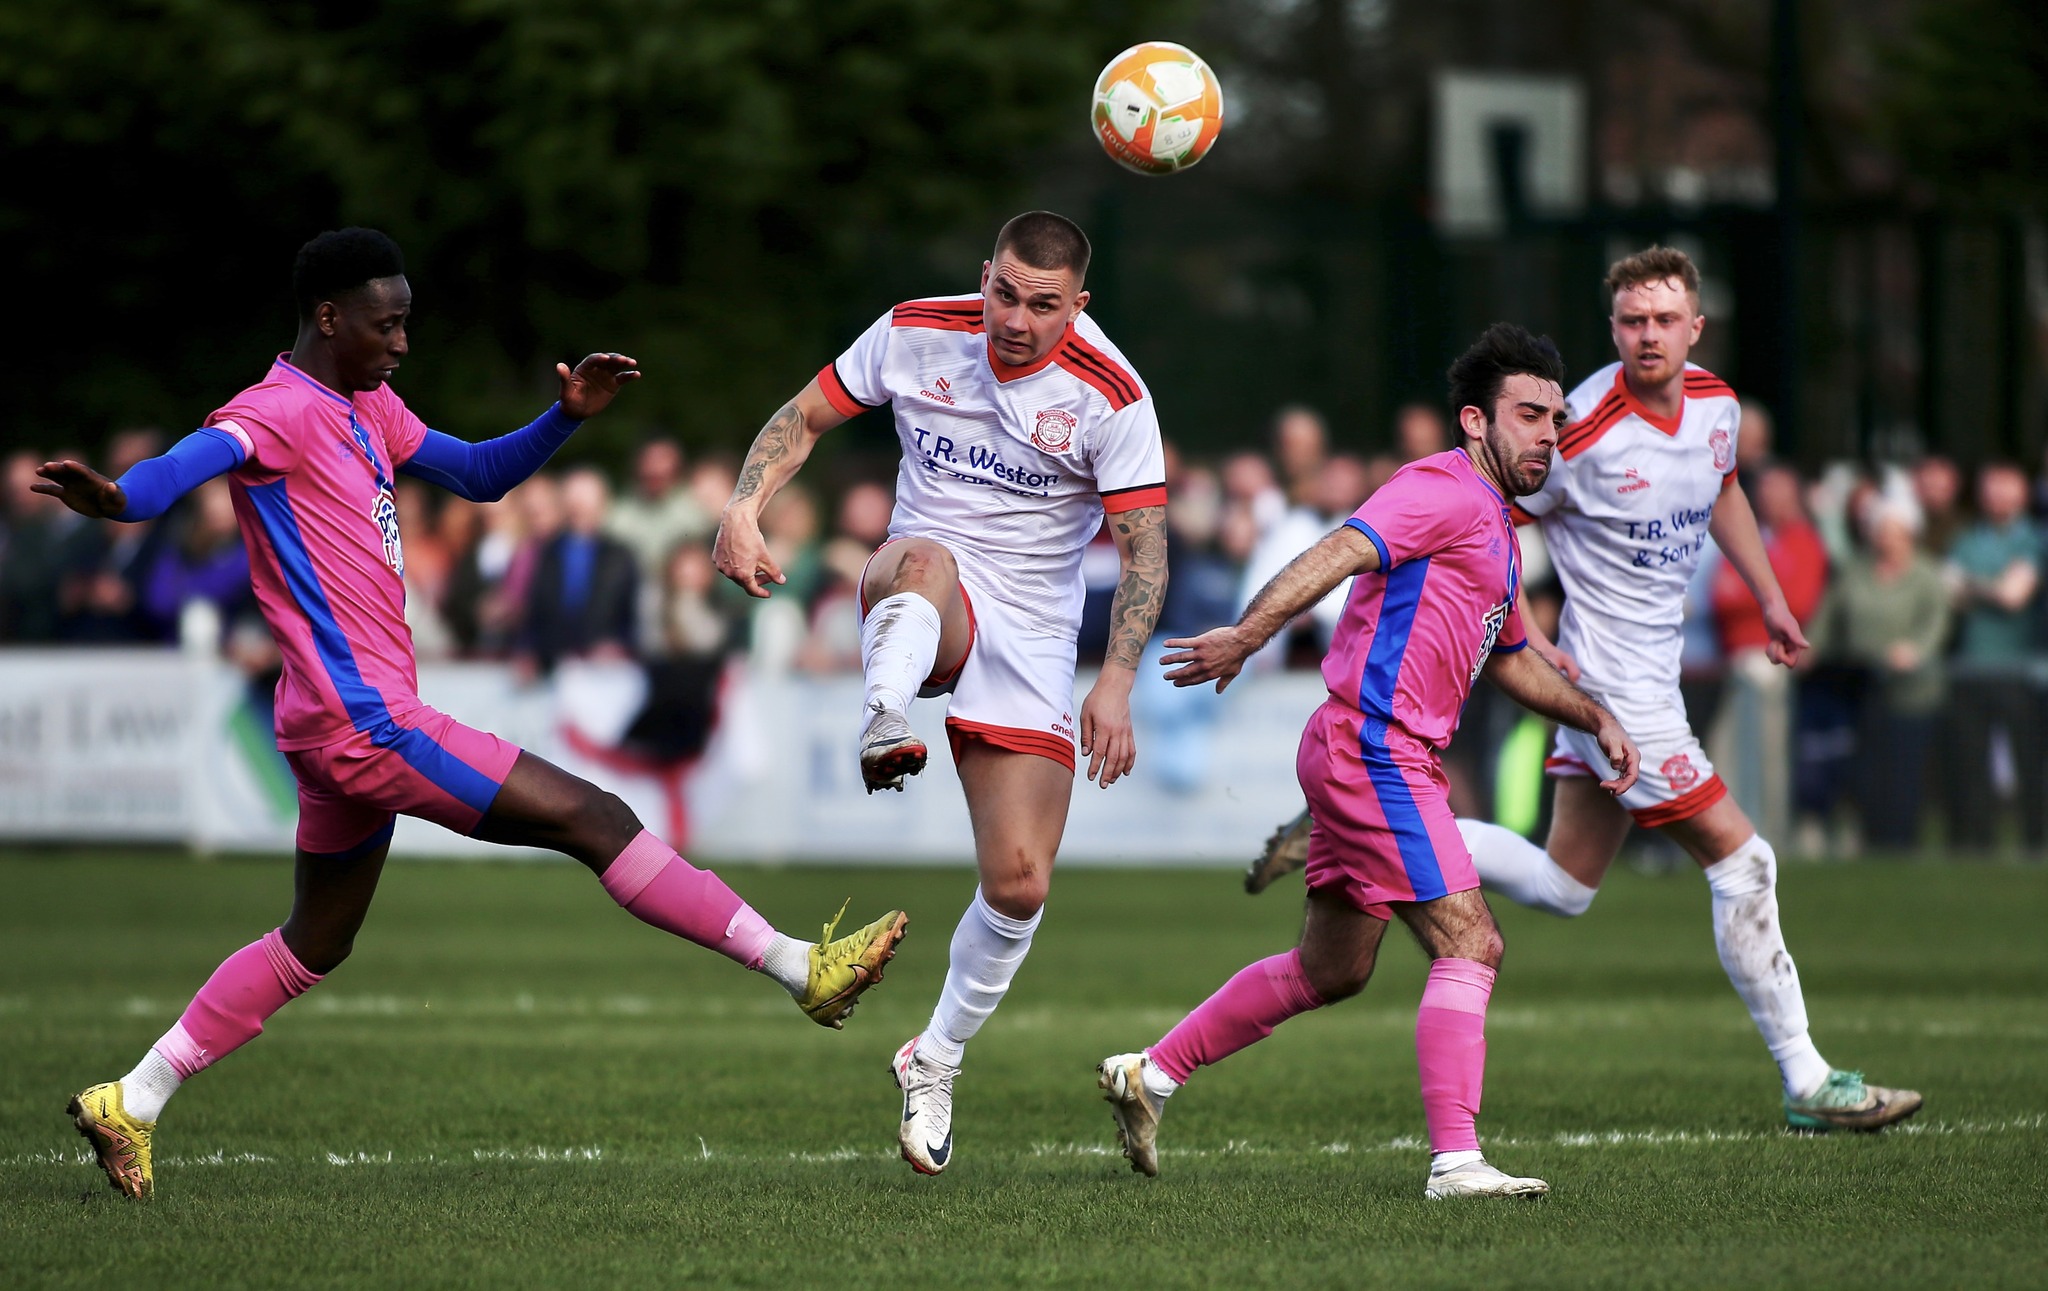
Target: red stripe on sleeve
{"points": [[836, 393], [1099, 370], [1701, 384], [1116, 501], [940, 315]]}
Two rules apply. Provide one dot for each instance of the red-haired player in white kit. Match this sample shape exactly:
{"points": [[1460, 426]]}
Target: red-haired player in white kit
{"points": [[1021, 427], [1640, 479]]}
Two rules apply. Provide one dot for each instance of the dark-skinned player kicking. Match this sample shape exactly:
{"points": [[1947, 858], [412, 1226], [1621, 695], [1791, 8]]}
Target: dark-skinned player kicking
{"points": [[310, 453]]}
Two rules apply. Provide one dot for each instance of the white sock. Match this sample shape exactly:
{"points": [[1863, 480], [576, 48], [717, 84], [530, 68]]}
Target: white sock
{"points": [[1157, 1083], [899, 643], [788, 961], [1443, 1161], [988, 949], [1752, 946], [145, 1090], [1800, 1065], [1521, 871]]}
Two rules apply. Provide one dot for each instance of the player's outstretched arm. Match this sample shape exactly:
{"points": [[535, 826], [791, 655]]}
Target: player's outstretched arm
{"points": [[740, 552], [1218, 654], [1735, 532], [589, 388], [1106, 735], [486, 471], [148, 488], [1529, 679]]}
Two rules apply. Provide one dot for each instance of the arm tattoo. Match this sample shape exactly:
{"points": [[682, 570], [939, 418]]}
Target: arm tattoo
{"points": [[775, 443], [1141, 592]]}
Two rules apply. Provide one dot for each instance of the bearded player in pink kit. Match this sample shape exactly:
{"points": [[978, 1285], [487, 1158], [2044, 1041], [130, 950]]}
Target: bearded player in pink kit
{"points": [[310, 453], [1434, 606], [1643, 475]]}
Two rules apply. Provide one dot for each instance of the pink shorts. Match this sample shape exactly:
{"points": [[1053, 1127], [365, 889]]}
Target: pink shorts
{"points": [[423, 764], [1383, 833]]}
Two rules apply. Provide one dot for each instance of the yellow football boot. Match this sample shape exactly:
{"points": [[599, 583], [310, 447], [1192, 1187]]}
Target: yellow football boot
{"points": [[842, 969], [1284, 853], [119, 1140]]}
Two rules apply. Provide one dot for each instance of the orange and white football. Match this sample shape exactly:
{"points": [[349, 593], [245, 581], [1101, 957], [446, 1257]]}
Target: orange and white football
{"points": [[1158, 108]]}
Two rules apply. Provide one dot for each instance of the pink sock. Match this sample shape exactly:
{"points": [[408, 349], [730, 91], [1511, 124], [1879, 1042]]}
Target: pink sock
{"points": [[1450, 1051], [1244, 1012], [656, 886], [250, 985]]}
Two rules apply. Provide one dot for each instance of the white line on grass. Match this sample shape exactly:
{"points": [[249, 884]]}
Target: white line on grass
{"points": [[1933, 1023], [80, 1156]]}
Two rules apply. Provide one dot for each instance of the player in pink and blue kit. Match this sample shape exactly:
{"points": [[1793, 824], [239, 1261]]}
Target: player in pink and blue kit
{"points": [[311, 453], [1433, 607]]}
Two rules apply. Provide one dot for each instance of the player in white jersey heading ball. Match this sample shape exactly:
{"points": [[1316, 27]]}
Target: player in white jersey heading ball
{"points": [[1642, 476], [1021, 426]]}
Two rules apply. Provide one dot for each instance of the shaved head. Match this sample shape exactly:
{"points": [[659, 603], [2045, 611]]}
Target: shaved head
{"points": [[1031, 287], [1044, 240]]}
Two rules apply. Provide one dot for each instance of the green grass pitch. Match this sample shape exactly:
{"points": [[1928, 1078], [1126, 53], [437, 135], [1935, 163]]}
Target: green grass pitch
{"points": [[513, 1083]]}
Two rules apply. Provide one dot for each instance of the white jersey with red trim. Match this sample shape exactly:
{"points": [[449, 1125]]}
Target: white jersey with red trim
{"points": [[1011, 467], [1624, 517]]}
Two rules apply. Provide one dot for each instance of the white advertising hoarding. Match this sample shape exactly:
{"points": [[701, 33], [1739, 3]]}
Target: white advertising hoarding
{"points": [[136, 745]]}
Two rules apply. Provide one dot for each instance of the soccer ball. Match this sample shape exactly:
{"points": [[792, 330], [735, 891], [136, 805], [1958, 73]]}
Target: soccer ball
{"points": [[1158, 108]]}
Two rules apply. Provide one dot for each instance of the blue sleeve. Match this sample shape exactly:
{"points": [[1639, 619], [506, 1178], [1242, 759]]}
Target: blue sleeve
{"points": [[1379, 544], [153, 484], [486, 472]]}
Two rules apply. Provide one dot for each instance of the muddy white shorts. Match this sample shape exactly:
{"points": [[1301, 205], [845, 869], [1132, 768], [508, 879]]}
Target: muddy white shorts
{"points": [[1676, 782], [1015, 689]]}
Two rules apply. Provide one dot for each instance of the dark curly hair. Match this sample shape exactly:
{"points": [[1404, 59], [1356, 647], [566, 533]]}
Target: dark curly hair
{"points": [[339, 261], [1501, 351]]}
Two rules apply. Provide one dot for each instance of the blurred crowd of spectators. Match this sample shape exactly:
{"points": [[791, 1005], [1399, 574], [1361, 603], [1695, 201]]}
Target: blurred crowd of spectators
{"points": [[1920, 588]]}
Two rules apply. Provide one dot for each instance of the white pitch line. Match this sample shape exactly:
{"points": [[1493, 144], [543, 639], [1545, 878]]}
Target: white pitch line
{"points": [[80, 1156], [1691, 1016]]}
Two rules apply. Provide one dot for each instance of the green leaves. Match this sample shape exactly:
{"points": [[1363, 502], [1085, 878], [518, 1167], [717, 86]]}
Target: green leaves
{"points": [[703, 182], [1969, 103]]}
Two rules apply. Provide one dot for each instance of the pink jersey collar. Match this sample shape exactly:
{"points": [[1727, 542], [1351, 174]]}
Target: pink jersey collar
{"points": [[285, 361], [1480, 475]]}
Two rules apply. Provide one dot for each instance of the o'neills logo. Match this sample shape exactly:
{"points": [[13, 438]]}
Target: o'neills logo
{"points": [[1055, 431], [940, 395], [1724, 450]]}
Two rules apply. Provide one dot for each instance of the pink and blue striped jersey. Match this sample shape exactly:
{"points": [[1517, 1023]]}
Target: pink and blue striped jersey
{"points": [[314, 499], [1416, 633]]}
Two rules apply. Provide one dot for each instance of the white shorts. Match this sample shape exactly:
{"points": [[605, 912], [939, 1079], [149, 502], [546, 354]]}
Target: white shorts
{"points": [[1015, 689], [1676, 781]]}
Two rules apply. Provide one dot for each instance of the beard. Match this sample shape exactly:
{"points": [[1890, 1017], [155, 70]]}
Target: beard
{"points": [[1520, 474]]}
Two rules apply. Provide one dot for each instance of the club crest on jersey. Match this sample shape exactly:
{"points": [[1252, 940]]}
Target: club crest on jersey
{"points": [[1724, 450], [1679, 770], [1055, 430], [384, 511]]}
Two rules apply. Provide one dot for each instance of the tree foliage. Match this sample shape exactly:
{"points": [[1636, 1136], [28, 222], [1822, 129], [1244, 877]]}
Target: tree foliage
{"points": [[698, 182], [1969, 106]]}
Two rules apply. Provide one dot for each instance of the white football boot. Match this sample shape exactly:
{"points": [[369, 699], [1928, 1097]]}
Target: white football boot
{"points": [[888, 749], [927, 1130], [1137, 1109], [1478, 1179]]}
